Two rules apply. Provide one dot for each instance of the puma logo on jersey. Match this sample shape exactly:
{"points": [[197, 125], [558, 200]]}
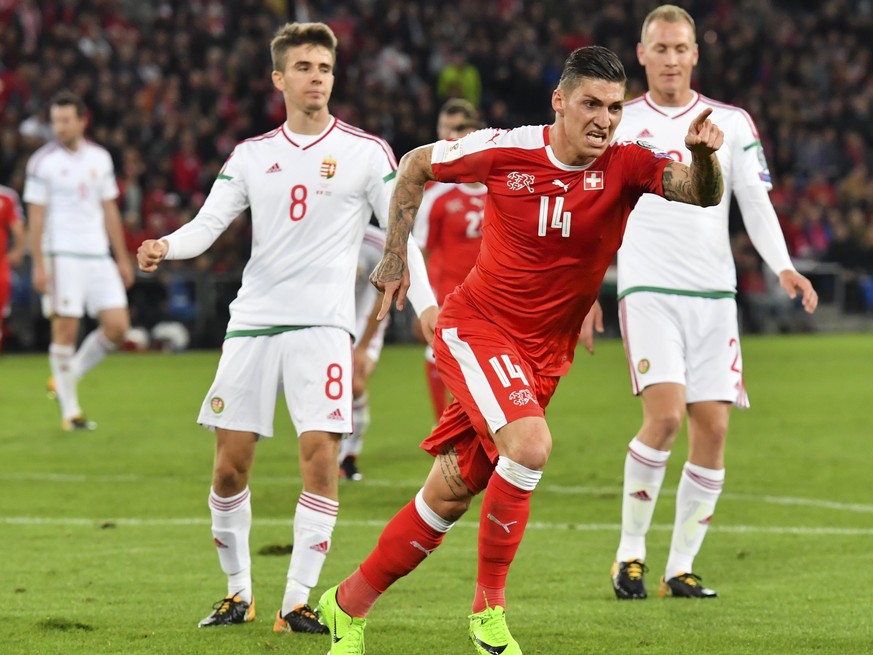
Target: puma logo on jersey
{"points": [[565, 187]]}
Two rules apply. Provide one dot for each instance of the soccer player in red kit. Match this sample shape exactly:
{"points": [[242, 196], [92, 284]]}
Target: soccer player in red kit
{"points": [[11, 222], [558, 199]]}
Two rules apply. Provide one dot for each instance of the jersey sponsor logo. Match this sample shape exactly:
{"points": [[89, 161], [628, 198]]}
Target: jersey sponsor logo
{"points": [[656, 150], [565, 187], [592, 181], [522, 397], [494, 137], [328, 168], [517, 181], [643, 366], [275, 168], [335, 415], [217, 405], [645, 134]]}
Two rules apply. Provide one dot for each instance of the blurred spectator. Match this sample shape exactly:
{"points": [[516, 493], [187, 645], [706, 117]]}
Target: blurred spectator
{"points": [[181, 83]]}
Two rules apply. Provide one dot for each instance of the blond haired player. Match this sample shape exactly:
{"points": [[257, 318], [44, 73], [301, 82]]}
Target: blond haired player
{"points": [[311, 184], [676, 287]]}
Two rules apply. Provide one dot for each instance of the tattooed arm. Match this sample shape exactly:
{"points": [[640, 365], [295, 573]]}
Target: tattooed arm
{"points": [[702, 182], [391, 275]]}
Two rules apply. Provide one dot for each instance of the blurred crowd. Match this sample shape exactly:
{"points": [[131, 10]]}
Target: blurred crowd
{"points": [[173, 86]]}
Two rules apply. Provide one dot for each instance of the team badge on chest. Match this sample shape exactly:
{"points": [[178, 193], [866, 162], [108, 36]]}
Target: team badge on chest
{"points": [[592, 181], [328, 167]]}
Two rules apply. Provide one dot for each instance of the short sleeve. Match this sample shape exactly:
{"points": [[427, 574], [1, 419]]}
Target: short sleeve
{"points": [[108, 185], [748, 163], [380, 183], [36, 187]]}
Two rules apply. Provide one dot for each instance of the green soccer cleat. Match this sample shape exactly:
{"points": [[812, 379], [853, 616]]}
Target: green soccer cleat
{"points": [[685, 585], [229, 611], [346, 632], [489, 633]]}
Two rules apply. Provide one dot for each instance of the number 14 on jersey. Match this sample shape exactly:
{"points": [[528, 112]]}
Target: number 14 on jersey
{"points": [[560, 218]]}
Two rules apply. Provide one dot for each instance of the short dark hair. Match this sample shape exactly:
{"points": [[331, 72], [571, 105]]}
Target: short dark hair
{"points": [[67, 98], [594, 62], [294, 34]]}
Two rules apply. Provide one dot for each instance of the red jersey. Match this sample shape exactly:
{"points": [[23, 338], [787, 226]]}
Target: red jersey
{"points": [[449, 225], [550, 231], [10, 214]]}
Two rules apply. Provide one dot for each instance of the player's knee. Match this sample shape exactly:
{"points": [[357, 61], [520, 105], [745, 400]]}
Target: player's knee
{"points": [[116, 331], [532, 453], [663, 428], [228, 480]]}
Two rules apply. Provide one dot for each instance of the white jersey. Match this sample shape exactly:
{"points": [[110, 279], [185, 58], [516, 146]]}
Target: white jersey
{"points": [[72, 186], [676, 247], [365, 293], [309, 205]]}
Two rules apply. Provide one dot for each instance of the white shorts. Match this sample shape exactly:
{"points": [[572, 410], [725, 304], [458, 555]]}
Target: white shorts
{"points": [[80, 284], [313, 367], [686, 340]]}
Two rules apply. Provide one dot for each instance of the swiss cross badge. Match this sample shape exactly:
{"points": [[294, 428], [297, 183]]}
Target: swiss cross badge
{"points": [[592, 181]]}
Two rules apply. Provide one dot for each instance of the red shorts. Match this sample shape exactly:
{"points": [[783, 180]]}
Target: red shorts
{"points": [[492, 385]]}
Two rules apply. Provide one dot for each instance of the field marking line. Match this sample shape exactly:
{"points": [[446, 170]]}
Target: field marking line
{"points": [[468, 523], [860, 508]]}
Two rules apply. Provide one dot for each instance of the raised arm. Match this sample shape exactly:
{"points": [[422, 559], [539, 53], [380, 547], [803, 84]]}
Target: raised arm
{"points": [[701, 183], [391, 275]]}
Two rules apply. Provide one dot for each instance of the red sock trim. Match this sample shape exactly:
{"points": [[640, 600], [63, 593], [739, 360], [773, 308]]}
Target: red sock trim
{"points": [[356, 596], [488, 597]]}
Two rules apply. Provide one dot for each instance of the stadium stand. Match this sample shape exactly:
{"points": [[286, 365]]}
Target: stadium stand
{"points": [[173, 86]]}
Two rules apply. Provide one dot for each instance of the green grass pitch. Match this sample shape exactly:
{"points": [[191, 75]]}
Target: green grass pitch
{"points": [[106, 546]]}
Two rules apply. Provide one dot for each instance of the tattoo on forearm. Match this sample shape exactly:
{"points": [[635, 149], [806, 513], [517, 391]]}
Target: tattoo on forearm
{"points": [[699, 184], [707, 179], [412, 174]]}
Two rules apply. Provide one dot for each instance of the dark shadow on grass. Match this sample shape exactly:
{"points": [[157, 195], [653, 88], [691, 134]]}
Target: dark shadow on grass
{"points": [[276, 549], [63, 625]]}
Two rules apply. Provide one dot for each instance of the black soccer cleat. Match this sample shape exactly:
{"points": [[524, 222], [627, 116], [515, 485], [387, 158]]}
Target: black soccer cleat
{"points": [[300, 619], [78, 424], [349, 469], [628, 579], [229, 611], [685, 585]]}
